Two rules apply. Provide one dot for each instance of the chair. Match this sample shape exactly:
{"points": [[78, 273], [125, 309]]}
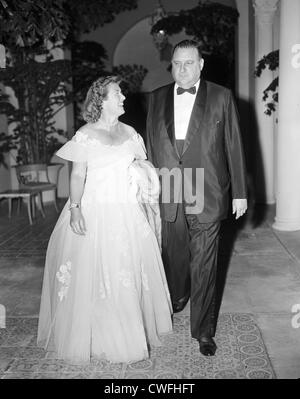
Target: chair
{"points": [[34, 177], [27, 196]]}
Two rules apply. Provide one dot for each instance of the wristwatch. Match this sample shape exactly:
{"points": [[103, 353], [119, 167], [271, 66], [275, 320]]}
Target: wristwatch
{"points": [[74, 205]]}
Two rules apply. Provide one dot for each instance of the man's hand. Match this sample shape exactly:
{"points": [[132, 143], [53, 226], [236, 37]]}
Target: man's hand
{"points": [[77, 222], [239, 207]]}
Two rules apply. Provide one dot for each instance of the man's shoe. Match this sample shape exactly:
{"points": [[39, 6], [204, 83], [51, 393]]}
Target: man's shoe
{"points": [[207, 346], [180, 304], [178, 307]]}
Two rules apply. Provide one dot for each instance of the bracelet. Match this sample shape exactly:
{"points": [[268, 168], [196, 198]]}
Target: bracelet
{"points": [[74, 205]]}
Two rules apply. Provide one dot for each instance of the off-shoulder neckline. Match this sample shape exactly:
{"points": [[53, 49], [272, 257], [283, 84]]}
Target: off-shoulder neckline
{"points": [[93, 140]]}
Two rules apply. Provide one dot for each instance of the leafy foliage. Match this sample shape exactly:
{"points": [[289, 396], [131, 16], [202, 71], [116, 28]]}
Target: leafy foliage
{"points": [[27, 22], [44, 88], [30, 22], [211, 24], [30, 30], [89, 15], [270, 61], [41, 90], [38, 81], [132, 77]]}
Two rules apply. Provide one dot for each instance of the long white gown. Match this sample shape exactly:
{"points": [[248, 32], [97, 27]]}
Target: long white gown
{"points": [[105, 294]]}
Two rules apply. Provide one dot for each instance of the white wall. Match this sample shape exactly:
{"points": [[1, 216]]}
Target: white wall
{"points": [[109, 35]]}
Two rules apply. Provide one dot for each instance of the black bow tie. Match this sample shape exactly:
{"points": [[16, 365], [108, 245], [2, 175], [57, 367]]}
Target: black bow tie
{"points": [[191, 90]]}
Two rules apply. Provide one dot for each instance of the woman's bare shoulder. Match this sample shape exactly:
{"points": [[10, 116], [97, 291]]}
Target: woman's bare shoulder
{"points": [[128, 129], [86, 129]]}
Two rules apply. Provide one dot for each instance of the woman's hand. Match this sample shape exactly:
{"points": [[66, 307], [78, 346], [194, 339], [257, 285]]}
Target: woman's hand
{"points": [[77, 222]]}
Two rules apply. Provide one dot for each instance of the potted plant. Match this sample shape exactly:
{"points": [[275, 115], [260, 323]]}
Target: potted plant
{"points": [[37, 82], [41, 90], [41, 84]]}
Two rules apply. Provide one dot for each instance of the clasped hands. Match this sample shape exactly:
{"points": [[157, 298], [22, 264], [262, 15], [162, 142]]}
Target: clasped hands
{"points": [[239, 207]]}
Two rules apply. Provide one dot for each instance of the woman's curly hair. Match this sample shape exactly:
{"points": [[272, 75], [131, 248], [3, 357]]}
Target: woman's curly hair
{"points": [[94, 99]]}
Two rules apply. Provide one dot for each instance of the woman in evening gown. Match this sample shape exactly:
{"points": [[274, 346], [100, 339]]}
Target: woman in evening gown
{"points": [[104, 292]]}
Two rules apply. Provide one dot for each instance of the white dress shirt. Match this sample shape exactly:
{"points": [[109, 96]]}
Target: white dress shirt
{"points": [[183, 106]]}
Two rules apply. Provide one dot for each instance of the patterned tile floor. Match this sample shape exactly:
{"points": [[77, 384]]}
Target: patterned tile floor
{"points": [[241, 355], [19, 239], [254, 335]]}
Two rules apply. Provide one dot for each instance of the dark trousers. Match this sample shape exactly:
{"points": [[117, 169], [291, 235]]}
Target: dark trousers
{"points": [[204, 242], [176, 258], [190, 250]]}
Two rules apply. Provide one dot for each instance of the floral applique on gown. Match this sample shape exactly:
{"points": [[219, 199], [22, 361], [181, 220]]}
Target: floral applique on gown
{"points": [[105, 294]]}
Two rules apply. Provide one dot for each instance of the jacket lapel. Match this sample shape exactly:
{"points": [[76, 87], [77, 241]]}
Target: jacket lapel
{"points": [[197, 115], [169, 116]]}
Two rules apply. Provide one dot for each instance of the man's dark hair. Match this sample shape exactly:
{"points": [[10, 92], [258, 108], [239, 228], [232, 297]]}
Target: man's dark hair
{"points": [[188, 44]]}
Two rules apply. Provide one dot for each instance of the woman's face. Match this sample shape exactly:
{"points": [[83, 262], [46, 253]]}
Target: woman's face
{"points": [[113, 103]]}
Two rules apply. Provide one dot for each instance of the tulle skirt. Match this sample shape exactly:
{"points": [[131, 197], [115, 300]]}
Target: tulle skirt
{"points": [[104, 294]]}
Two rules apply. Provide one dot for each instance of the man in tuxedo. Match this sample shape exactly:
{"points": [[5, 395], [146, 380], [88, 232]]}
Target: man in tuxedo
{"points": [[192, 128]]}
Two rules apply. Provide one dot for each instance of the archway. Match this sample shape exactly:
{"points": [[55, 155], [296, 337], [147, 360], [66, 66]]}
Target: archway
{"points": [[137, 47]]}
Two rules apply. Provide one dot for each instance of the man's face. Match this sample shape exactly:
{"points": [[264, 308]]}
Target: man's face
{"points": [[186, 67]]}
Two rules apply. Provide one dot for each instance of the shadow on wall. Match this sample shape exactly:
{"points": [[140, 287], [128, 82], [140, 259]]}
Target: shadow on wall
{"points": [[254, 161], [230, 228], [135, 115], [216, 69]]}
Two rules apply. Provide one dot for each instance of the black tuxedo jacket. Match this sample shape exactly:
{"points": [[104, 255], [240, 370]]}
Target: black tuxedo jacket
{"points": [[213, 143]]}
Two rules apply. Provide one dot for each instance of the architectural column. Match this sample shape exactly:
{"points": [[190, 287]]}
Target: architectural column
{"points": [[243, 54], [264, 179], [288, 170]]}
